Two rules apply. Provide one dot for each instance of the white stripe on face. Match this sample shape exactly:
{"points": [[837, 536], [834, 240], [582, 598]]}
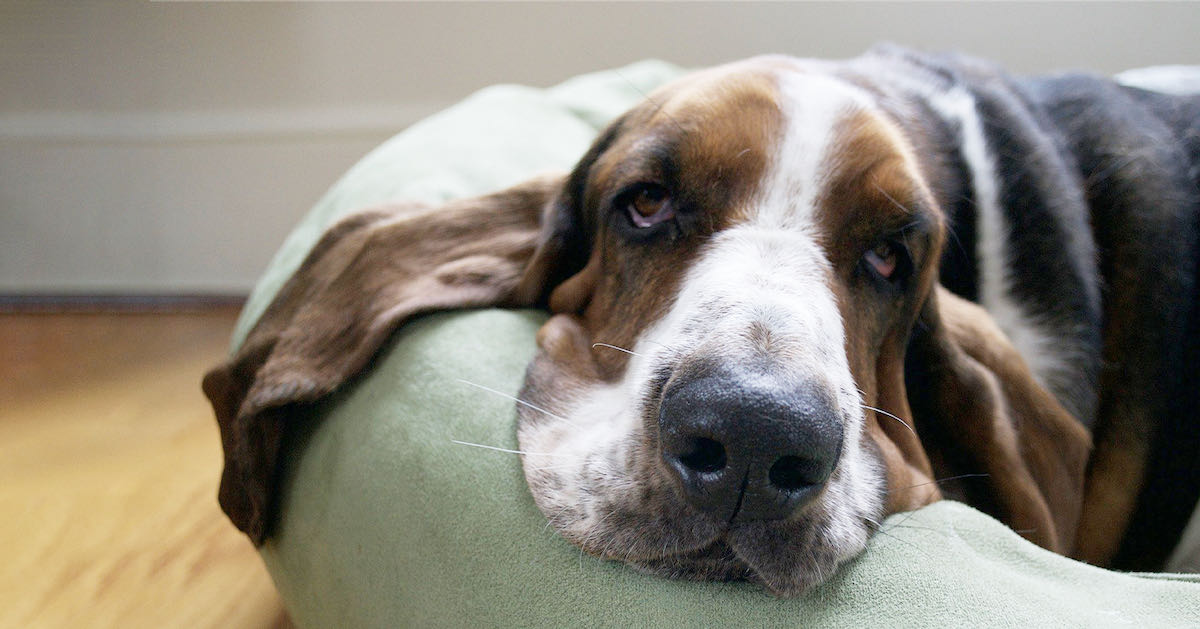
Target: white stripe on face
{"points": [[813, 106]]}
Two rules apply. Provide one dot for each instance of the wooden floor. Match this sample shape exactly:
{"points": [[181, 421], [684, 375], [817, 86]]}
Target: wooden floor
{"points": [[109, 460]]}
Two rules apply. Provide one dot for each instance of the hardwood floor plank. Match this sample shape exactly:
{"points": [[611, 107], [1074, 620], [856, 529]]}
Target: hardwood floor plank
{"points": [[109, 460]]}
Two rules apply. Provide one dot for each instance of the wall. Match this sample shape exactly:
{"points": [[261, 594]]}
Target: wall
{"points": [[167, 147]]}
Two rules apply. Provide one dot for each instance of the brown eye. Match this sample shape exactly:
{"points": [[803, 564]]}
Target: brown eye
{"points": [[649, 205], [883, 259]]}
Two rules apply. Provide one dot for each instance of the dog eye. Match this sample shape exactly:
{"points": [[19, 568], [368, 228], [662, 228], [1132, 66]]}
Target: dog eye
{"points": [[648, 205], [883, 259], [889, 261]]}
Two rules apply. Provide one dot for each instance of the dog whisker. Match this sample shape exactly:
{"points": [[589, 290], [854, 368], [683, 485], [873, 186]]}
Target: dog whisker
{"points": [[619, 349], [506, 450], [938, 481], [551, 520], [900, 525], [893, 200], [916, 527], [880, 410], [931, 490], [881, 531], [519, 401], [662, 345], [592, 536]]}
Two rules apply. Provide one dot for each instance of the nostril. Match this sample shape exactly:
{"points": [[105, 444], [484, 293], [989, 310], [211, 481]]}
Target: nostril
{"points": [[705, 456], [792, 473]]}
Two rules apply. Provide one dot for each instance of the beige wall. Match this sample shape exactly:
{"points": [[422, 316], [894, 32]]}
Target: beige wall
{"points": [[167, 147]]}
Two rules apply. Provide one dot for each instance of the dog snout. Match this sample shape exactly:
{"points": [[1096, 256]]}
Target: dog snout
{"points": [[746, 445]]}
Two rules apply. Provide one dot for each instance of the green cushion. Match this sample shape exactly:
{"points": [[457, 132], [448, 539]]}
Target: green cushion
{"points": [[386, 521]]}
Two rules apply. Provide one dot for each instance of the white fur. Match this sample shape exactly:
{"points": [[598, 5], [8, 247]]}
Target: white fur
{"points": [[813, 106]]}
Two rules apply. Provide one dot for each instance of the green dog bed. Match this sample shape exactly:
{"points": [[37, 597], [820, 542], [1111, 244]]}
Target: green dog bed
{"points": [[388, 518]]}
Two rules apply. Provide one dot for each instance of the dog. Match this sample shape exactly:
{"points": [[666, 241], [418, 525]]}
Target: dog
{"points": [[791, 297]]}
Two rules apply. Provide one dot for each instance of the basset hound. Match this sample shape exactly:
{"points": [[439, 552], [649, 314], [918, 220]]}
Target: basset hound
{"points": [[790, 297]]}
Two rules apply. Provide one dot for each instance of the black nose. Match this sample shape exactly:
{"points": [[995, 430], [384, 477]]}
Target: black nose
{"points": [[746, 445]]}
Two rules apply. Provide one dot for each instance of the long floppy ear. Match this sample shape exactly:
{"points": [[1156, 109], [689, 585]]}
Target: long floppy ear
{"points": [[981, 412], [368, 274]]}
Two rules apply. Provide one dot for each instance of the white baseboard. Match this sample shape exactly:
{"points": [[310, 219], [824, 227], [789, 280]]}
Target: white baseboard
{"points": [[168, 201], [182, 126]]}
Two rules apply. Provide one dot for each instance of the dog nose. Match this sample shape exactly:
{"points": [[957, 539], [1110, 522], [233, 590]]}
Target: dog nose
{"points": [[747, 446]]}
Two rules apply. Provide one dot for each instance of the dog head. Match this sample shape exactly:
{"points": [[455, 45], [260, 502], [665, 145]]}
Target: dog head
{"points": [[749, 362]]}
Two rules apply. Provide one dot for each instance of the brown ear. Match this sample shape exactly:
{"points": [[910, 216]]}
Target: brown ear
{"points": [[367, 275], [980, 411]]}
